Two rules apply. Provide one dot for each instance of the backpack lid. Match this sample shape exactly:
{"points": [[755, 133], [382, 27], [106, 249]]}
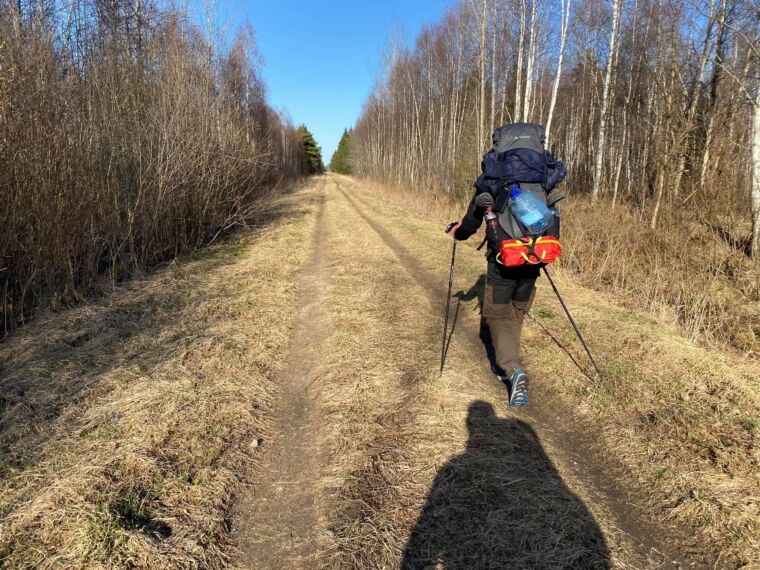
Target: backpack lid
{"points": [[519, 135]]}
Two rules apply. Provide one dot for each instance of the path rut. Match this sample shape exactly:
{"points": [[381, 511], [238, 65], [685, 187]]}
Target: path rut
{"points": [[277, 525]]}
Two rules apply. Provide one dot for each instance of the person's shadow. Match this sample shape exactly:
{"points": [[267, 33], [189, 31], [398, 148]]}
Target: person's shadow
{"points": [[477, 291], [501, 504]]}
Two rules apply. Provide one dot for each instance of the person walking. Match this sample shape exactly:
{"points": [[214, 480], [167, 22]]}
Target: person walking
{"points": [[510, 290]]}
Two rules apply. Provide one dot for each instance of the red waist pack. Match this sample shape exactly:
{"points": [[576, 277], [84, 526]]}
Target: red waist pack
{"points": [[529, 250]]}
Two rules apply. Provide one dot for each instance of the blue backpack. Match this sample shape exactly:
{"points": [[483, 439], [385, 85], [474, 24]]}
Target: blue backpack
{"points": [[518, 158]]}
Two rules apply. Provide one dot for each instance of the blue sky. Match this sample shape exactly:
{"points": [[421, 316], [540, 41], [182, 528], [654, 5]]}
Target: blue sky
{"points": [[321, 57]]}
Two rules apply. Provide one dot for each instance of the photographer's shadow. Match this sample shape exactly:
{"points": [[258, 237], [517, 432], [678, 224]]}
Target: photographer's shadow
{"points": [[501, 504]]}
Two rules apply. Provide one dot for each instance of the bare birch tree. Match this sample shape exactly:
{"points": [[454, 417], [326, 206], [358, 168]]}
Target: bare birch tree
{"points": [[532, 46], [517, 116], [565, 12], [601, 136]]}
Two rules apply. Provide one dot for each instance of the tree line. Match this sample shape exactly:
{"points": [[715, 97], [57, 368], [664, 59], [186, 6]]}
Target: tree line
{"points": [[340, 161], [127, 136], [312, 151], [654, 104]]}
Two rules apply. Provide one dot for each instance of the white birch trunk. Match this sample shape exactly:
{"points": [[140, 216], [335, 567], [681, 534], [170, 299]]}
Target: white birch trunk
{"points": [[529, 66], [520, 52], [602, 132], [493, 67], [706, 153], [563, 37], [502, 106], [482, 105]]}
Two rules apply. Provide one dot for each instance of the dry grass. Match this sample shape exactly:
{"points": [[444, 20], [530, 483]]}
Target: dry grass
{"points": [[126, 424], [422, 467], [683, 419], [686, 274]]}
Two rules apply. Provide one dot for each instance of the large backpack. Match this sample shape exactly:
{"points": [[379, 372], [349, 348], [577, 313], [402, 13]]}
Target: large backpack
{"points": [[518, 157]]}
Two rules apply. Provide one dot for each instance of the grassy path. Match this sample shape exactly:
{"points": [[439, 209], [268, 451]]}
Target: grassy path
{"points": [[516, 475], [276, 403], [277, 523], [414, 469]]}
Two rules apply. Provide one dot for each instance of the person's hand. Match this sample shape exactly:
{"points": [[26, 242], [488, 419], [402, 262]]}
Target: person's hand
{"points": [[452, 228]]}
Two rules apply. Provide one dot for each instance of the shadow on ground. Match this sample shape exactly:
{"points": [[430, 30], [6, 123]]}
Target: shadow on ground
{"points": [[501, 504], [476, 291]]}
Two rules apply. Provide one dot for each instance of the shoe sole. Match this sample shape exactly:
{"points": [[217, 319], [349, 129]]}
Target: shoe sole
{"points": [[519, 396]]}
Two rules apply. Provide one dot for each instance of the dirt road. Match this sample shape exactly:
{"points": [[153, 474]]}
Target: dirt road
{"points": [[280, 521], [377, 463], [274, 401]]}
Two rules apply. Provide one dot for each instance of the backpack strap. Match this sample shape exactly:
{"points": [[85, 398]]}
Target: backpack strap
{"points": [[503, 196]]}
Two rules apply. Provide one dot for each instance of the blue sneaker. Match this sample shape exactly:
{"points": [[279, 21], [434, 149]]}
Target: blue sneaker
{"points": [[500, 374], [518, 389]]}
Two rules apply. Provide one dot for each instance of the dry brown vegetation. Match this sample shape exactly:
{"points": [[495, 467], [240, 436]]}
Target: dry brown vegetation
{"points": [[126, 138], [682, 420], [424, 468], [653, 114], [684, 273], [127, 424]]}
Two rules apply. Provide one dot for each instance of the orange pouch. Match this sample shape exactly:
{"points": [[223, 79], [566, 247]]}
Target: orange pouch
{"points": [[529, 250]]}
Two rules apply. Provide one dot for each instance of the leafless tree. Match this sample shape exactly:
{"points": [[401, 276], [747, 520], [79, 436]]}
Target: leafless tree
{"points": [[125, 139]]}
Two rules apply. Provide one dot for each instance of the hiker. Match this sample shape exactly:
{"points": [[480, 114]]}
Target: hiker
{"points": [[517, 168]]}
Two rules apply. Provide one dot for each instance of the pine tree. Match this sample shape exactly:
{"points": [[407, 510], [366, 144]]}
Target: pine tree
{"points": [[313, 151], [339, 162]]}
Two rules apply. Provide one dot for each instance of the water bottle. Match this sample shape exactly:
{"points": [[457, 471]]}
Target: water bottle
{"points": [[529, 210], [492, 223]]}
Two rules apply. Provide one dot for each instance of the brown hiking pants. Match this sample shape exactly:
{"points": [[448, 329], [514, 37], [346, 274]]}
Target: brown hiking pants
{"points": [[504, 307]]}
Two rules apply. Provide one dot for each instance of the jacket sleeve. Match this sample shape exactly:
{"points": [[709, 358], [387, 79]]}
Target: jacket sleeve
{"points": [[471, 221], [555, 172]]}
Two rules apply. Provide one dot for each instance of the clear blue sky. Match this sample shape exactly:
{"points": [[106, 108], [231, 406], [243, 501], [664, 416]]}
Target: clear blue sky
{"points": [[321, 57]]}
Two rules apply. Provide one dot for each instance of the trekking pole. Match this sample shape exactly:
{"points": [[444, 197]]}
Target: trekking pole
{"points": [[572, 322], [448, 299]]}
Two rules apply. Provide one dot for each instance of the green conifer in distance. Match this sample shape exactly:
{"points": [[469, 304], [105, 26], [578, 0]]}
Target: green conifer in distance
{"points": [[339, 162], [313, 151]]}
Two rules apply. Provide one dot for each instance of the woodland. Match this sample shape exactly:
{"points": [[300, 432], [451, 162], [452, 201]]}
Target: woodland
{"points": [[654, 107], [128, 135]]}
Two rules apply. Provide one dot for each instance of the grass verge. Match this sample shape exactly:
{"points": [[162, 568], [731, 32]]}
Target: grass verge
{"points": [[126, 424]]}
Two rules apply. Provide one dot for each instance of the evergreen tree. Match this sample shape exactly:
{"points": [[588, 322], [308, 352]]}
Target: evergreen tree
{"points": [[339, 162], [313, 151]]}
